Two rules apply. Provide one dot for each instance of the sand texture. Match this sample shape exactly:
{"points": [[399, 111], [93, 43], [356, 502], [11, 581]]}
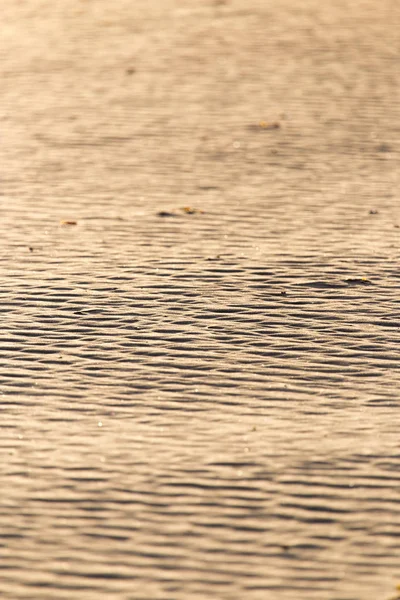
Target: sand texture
{"points": [[200, 275]]}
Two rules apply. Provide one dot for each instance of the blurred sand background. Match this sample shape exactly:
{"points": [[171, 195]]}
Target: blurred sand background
{"points": [[199, 351]]}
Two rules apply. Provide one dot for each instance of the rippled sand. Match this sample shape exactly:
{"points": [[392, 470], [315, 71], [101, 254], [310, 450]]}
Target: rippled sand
{"points": [[199, 351]]}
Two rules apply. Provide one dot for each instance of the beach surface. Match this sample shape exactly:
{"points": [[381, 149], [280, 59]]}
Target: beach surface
{"points": [[200, 343]]}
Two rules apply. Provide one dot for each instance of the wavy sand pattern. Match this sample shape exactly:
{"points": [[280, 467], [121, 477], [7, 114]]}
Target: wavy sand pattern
{"points": [[200, 404]]}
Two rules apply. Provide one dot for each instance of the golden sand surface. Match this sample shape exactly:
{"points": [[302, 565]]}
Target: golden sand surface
{"points": [[199, 343]]}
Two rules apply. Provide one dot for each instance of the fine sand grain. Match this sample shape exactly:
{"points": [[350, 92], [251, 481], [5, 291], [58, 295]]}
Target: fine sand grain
{"points": [[199, 344]]}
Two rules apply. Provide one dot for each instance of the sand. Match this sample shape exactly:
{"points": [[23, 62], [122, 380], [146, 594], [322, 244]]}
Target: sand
{"points": [[199, 351]]}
